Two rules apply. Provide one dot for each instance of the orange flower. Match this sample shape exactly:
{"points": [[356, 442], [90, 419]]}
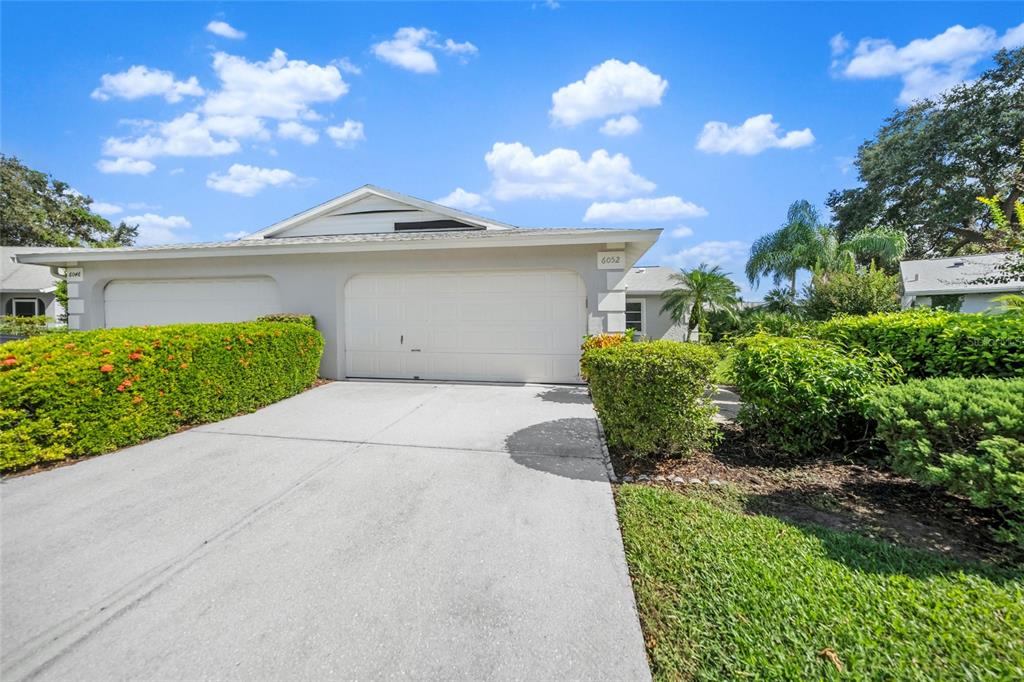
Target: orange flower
{"points": [[184, 365], [106, 368], [68, 346], [136, 400], [135, 356], [106, 351], [10, 361]]}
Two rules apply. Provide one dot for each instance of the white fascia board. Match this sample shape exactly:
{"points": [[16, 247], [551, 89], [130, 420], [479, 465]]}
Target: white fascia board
{"points": [[362, 192], [638, 242], [1013, 287]]}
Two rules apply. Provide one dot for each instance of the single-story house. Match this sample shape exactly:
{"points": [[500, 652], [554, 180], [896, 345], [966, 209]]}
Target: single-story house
{"points": [[27, 290], [399, 287], [644, 287], [923, 280]]}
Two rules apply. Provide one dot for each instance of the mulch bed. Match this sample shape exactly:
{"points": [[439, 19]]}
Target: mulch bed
{"points": [[855, 496]]}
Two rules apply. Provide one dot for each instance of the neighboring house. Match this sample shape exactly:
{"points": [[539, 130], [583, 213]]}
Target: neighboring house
{"points": [[957, 279], [27, 290], [399, 287], [644, 287]]}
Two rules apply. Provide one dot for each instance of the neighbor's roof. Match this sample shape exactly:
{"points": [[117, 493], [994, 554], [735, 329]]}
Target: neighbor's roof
{"points": [[375, 241], [649, 279], [957, 275], [15, 276]]}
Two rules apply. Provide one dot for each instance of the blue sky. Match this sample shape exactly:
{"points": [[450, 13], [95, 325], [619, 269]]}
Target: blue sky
{"points": [[704, 119]]}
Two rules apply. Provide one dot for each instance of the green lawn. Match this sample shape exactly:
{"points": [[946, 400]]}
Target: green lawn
{"points": [[724, 595]]}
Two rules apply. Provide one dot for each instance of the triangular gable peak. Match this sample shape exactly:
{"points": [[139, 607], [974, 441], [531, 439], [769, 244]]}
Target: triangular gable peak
{"points": [[373, 209]]}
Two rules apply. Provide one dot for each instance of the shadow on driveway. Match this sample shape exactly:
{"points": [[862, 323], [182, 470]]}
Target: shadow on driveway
{"points": [[569, 447]]}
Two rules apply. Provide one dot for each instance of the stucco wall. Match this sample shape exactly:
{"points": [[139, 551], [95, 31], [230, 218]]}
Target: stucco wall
{"points": [[972, 303], [53, 308], [659, 324], [315, 284]]}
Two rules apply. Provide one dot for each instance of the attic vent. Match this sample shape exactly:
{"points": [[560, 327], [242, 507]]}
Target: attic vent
{"points": [[639, 269], [434, 225], [959, 263]]}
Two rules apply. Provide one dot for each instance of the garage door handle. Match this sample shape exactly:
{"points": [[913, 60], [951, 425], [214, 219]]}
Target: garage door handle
{"points": [[414, 350]]}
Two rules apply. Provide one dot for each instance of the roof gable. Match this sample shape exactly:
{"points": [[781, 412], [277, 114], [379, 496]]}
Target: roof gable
{"points": [[372, 209], [956, 275]]}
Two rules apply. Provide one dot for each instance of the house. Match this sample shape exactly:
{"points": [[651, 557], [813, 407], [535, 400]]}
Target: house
{"points": [[27, 290], [400, 287], [956, 279], [644, 287]]}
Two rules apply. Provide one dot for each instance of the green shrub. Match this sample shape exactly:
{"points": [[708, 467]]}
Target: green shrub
{"points": [[934, 343], [802, 396], [654, 397], [294, 318], [85, 393], [723, 325], [964, 435], [851, 293], [26, 326]]}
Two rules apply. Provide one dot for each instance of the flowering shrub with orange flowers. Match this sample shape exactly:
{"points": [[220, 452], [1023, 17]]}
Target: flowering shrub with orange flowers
{"points": [[85, 393]]}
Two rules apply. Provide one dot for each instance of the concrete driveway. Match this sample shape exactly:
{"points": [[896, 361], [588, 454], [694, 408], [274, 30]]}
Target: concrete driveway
{"points": [[361, 530]]}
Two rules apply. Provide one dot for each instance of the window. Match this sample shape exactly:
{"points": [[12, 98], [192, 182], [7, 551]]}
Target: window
{"points": [[26, 307], [635, 315]]}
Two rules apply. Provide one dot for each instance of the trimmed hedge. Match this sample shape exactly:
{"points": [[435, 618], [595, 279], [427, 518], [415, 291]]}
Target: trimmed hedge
{"points": [[934, 343], [653, 398], [85, 393], [294, 318], [803, 396], [964, 435]]}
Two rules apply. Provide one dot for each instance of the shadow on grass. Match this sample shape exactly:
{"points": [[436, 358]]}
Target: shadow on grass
{"points": [[906, 546]]}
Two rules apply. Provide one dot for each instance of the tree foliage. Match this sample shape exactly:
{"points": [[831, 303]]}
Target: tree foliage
{"points": [[39, 210], [700, 291], [852, 293], [925, 167]]}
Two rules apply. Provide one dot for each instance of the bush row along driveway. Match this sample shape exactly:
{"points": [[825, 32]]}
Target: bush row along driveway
{"points": [[359, 530]]}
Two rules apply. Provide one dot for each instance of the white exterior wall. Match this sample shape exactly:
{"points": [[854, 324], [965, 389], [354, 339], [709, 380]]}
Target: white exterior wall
{"points": [[315, 284], [659, 325], [972, 303]]}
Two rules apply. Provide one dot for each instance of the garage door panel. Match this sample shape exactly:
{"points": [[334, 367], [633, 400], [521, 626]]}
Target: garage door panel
{"points": [[173, 301], [505, 326]]}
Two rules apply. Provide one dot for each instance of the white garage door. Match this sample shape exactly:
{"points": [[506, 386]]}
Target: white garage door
{"points": [[170, 301], [473, 326]]}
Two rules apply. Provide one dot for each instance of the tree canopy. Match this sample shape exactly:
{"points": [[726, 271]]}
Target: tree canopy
{"points": [[39, 210], [927, 164], [700, 290]]}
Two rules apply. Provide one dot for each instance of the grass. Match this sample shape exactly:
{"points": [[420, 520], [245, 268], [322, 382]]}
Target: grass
{"points": [[723, 595]]}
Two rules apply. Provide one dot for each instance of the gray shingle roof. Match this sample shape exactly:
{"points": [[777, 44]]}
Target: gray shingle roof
{"points": [[649, 279], [21, 276], [957, 275]]}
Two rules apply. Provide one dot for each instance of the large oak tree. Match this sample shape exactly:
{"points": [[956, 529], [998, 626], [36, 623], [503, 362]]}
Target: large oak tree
{"points": [[927, 165], [38, 210]]}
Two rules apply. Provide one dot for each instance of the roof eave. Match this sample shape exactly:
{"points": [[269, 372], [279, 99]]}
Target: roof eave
{"points": [[646, 238]]}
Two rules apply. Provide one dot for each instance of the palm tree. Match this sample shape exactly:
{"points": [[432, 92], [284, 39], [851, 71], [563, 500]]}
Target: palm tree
{"points": [[778, 300], [700, 290], [786, 251], [803, 243]]}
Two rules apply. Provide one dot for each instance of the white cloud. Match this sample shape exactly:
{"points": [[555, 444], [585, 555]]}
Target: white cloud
{"points": [[293, 130], [406, 50], [619, 127], [755, 135], [410, 49], [519, 173], [654, 209], [466, 201], [710, 252], [682, 232], [346, 66], [236, 126], [225, 30], [186, 135], [176, 171], [609, 89], [125, 165], [103, 208], [142, 81], [157, 229], [347, 134], [928, 66], [248, 180], [236, 235], [838, 44], [279, 88]]}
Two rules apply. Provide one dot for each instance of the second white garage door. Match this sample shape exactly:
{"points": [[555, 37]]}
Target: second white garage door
{"points": [[472, 326]]}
